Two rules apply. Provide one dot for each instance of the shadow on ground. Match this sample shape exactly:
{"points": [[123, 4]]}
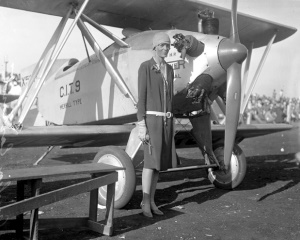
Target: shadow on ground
{"points": [[261, 171]]}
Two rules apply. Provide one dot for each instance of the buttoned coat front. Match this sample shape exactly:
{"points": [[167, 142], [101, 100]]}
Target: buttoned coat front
{"points": [[160, 153]]}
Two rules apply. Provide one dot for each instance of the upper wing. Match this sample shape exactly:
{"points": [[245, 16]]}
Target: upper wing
{"points": [[185, 139], [158, 14], [71, 136]]}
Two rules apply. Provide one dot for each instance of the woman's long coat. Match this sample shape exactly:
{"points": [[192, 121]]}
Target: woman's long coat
{"points": [[160, 153]]}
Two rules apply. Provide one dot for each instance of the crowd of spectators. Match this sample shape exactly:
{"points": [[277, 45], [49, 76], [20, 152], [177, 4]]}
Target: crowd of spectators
{"points": [[10, 85], [274, 109]]}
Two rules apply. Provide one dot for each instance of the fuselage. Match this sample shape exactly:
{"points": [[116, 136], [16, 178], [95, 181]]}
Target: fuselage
{"points": [[86, 94]]}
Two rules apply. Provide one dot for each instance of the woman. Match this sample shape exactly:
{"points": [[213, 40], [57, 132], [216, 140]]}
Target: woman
{"points": [[155, 120]]}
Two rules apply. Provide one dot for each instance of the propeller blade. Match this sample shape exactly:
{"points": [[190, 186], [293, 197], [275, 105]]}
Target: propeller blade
{"points": [[233, 95], [234, 34], [233, 101]]}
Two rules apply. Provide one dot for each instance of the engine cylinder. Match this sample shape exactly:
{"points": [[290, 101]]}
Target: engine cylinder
{"points": [[196, 47], [210, 26]]}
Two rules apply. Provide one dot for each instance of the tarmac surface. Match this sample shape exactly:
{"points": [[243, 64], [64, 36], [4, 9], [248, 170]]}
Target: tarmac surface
{"points": [[266, 205]]}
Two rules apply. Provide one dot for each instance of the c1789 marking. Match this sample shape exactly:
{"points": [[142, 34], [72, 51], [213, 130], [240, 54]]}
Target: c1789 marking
{"points": [[69, 89]]}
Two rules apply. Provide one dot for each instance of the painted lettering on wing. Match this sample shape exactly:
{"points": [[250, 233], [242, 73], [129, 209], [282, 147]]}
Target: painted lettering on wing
{"points": [[71, 103], [68, 89]]}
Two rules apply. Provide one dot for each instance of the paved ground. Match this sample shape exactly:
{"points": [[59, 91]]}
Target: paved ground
{"points": [[265, 206]]}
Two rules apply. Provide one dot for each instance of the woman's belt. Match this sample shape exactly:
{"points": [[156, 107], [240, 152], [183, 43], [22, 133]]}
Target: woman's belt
{"points": [[160, 114]]}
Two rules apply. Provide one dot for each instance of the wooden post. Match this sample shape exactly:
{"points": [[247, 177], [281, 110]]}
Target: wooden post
{"points": [[93, 203], [34, 217], [109, 215], [19, 220]]}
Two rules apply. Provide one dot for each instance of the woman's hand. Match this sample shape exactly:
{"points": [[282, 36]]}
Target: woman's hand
{"points": [[143, 136]]}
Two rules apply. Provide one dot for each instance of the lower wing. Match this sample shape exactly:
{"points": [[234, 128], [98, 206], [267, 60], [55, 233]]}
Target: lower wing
{"points": [[184, 138], [103, 135], [67, 136]]}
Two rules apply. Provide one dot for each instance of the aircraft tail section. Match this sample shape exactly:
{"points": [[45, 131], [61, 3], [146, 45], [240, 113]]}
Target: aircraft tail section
{"points": [[29, 86], [27, 72]]}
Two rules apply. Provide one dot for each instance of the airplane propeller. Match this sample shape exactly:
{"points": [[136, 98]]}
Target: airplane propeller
{"points": [[234, 53]]}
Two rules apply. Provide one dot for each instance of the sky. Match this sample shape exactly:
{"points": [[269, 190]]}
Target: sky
{"points": [[24, 35]]}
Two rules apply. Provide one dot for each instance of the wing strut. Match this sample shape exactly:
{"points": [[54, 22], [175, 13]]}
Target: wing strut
{"points": [[105, 61], [259, 68], [107, 33], [47, 65], [39, 68], [221, 104]]}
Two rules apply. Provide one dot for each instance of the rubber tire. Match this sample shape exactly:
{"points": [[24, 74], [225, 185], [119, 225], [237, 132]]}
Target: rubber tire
{"points": [[230, 180], [126, 184]]}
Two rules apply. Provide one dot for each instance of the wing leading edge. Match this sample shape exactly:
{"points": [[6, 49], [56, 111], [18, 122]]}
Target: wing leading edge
{"points": [[71, 136], [157, 14]]}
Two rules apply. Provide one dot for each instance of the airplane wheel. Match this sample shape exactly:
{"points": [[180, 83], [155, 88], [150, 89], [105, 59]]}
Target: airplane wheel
{"points": [[125, 186], [236, 172]]}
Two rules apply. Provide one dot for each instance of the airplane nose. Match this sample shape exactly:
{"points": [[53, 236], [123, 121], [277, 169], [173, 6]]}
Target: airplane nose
{"points": [[230, 52]]}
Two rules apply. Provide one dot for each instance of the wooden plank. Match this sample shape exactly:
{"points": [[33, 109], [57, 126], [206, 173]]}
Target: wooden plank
{"points": [[57, 195], [55, 171], [97, 227]]}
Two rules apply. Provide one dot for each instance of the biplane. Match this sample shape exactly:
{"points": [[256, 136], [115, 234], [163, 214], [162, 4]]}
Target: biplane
{"points": [[92, 102]]}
